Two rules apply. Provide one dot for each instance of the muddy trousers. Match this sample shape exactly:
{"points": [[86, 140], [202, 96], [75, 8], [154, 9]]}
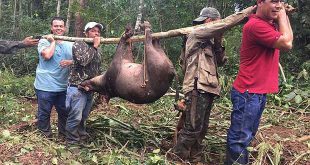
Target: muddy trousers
{"points": [[189, 142], [78, 104]]}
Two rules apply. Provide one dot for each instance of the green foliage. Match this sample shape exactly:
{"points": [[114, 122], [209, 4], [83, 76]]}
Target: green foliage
{"points": [[270, 151], [134, 136], [154, 158], [16, 86], [291, 96], [12, 109], [232, 46], [163, 15]]}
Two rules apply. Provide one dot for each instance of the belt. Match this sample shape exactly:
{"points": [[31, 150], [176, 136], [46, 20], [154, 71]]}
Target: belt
{"points": [[73, 85]]}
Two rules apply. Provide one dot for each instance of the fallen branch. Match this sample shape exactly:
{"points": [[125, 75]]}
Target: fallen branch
{"points": [[282, 72], [304, 138], [265, 126], [299, 157]]}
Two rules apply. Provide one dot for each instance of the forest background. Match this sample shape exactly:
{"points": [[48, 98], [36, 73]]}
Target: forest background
{"points": [[21, 18]]}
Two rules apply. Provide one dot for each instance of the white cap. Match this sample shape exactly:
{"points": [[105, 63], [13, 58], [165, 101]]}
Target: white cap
{"points": [[90, 25]]}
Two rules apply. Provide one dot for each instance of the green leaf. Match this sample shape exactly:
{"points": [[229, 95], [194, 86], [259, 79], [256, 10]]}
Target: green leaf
{"points": [[290, 96], [54, 161], [23, 151], [305, 94], [250, 149], [156, 151], [65, 154], [156, 159], [94, 159], [277, 98], [288, 86], [298, 99], [306, 75], [6, 134], [26, 118], [28, 147], [286, 106], [73, 162]]}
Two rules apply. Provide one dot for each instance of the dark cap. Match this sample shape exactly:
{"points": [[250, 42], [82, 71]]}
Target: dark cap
{"points": [[207, 12]]}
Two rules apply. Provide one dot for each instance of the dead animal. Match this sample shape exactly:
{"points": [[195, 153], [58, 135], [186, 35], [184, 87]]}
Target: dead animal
{"points": [[137, 83]]}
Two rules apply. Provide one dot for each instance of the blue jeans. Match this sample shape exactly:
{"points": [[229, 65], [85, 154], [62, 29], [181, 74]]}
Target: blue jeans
{"points": [[245, 118], [79, 104], [46, 100]]}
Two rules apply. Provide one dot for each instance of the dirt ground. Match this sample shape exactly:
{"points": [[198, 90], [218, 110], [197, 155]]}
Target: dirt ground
{"points": [[293, 137]]}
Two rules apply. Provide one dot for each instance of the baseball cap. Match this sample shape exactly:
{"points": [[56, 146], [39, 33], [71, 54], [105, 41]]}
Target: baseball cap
{"points": [[207, 12], [90, 25]]}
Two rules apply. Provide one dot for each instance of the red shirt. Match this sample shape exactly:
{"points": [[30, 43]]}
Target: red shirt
{"points": [[258, 70]]}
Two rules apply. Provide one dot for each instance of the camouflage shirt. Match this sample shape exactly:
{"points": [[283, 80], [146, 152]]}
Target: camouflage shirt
{"points": [[10, 47], [86, 62]]}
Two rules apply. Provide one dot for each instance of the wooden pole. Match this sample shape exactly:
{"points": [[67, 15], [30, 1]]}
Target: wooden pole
{"points": [[212, 28], [159, 35]]}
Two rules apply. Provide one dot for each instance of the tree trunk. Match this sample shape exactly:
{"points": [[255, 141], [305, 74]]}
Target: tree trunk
{"points": [[14, 16], [0, 9], [19, 17], [211, 3], [29, 12], [20, 9], [68, 16], [78, 31], [38, 8], [139, 17], [58, 8]]}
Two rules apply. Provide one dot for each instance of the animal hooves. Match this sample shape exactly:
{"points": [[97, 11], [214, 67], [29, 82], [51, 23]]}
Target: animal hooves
{"points": [[146, 25], [128, 31]]}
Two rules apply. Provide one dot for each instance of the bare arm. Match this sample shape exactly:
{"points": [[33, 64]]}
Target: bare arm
{"points": [[48, 52], [9, 47], [29, 42], [285, 42], [66, 63]]}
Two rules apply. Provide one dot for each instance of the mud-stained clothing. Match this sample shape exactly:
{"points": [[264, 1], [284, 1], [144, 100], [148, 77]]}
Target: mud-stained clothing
{"points": [[189, 143], [10, 47], [86, 65], [200, 60]]}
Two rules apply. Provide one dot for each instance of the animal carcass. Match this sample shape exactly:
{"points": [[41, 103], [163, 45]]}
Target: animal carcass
{"points": [[137, 83]]}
